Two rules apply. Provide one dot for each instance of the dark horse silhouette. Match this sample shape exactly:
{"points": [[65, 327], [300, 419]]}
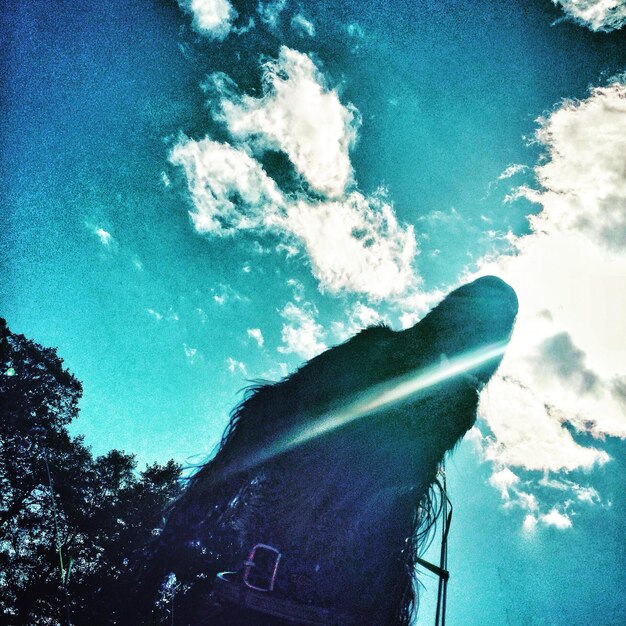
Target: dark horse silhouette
{"points": [[332, 467]]}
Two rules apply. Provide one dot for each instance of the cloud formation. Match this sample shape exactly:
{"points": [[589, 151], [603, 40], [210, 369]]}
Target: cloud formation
{"points": [[301, 334], [597, 15], [556, 519], [303, 26], [560, 377], [354, 243], [190, 353], [236, 367], [298, 115], [359, 317], [229, 189], [211, 18], [270, 12], [257, 335], [104, 236]]}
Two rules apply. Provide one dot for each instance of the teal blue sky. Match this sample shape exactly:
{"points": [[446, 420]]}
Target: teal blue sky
{"points": [[99, 256]]}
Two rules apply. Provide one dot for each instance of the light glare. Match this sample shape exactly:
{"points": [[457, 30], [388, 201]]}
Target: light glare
{"points": [[379, 397]]}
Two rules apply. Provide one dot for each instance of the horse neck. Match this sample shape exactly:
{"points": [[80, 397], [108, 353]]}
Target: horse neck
{"points": [[355, 542]]}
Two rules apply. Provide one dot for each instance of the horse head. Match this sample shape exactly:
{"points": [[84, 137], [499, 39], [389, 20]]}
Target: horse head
{"points": [[332, 466]]}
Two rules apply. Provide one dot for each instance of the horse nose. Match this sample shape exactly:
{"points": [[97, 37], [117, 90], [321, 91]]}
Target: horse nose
{"points": [[501, 293]]}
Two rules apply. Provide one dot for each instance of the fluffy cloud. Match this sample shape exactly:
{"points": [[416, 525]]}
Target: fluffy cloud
{"points": [[298, 115], [503, 481], [360, 316], [598, 15], [556, 519], [301, 334], [565, 364], [257, 335], [353, 242], [583, 178], [530, 524], [223, 294], [211, 18], [415, 304], [104, 236], [229, 189]]}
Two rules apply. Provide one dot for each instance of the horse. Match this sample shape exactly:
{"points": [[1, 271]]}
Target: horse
{"points": [[316, 505]]}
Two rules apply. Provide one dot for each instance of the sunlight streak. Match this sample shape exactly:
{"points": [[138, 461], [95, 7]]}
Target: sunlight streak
{"points": [[377, 398]]}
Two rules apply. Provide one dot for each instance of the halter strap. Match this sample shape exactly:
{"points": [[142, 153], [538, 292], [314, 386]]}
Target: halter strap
{"points": [[229, 586]]}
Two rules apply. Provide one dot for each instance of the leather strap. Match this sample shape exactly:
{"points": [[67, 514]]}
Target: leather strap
{"points": [[228, 586]]}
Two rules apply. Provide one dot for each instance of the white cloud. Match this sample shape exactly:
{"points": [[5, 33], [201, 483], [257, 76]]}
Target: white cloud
{"points": [[190, 353], [527, 501], [211, 18], [355, 244], [300, 24], [526, 433], [270, 12], [301, 334], [562, 372], [225, 293], [289, 250], [587, 494], [556, 519], [104, 236], [360, 316], [511, 170], [298, 289], [530, 524], [257, 335], [299, 115], [157, 316], [364, 316], [415, 304], [170, 316], [236, 367], [597, 15], [229, 189], [503, 481]]}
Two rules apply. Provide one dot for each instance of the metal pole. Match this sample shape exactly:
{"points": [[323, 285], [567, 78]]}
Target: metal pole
{"points": [[443, 557]]}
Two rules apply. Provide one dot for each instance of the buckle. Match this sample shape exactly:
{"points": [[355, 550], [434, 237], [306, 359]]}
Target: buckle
{"points": [[260, 569]]}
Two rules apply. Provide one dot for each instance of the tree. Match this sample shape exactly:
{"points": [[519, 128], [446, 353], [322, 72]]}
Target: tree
{"points": [[69, 522]]}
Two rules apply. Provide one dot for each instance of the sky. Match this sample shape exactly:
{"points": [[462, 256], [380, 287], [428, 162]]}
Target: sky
{"points": [[203, 193]]}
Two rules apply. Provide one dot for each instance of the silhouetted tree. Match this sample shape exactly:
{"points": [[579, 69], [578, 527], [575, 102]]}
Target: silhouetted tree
{"points": [[68, 522]]}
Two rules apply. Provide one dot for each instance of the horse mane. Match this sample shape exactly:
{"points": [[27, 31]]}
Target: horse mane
{"points": [[427, 511], [352, 503]]}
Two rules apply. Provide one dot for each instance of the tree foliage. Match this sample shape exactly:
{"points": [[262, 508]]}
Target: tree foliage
{"points": [[69, 522]]}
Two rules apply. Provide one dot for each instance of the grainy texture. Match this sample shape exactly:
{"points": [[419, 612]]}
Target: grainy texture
{"points": [[345, 508]]}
